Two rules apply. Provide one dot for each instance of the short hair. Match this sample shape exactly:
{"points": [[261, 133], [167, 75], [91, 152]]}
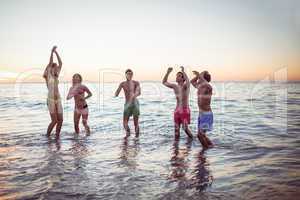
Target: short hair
{"points": [[128, 70], [181, 75], [207, 76], [80, 77]]}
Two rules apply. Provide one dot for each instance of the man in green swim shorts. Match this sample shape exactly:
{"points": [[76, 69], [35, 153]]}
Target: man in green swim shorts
{"points": [[131, 108]]}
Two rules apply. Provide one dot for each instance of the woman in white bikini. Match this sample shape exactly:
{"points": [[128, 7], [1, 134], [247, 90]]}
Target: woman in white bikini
{"points": [[51, 74]]}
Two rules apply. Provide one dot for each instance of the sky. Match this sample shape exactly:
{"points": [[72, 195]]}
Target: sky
{"points": [[238, 40]]}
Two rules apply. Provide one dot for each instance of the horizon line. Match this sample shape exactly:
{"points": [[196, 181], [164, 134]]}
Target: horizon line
{"points": [[217, 81]]}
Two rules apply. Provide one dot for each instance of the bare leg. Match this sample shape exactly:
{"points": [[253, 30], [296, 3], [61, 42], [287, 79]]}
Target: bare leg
{"points": [[201, 137], [187, 130], [59, 124], [52, 123], [57, 145], [136, 125], [77, 116], [208, 141], [84, 122], [125, 125], [177, 131]]}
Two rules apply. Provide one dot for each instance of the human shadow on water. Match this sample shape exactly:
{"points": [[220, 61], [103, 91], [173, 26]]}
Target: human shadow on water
{"points": [[129, 152], [178, 161], [201, 176]]}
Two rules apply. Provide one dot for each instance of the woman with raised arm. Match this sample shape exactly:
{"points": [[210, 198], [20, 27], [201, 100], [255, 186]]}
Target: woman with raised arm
{"points": [[51, 75]]}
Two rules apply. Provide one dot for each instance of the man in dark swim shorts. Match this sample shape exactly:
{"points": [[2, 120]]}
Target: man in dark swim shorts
{"points": [[131, 107]]}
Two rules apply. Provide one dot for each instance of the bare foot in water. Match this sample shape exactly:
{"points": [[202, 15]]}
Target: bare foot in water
{"points": [[127, 133], [137, 134], [207, 147], [137, 131], [87, 130], [57, 137]]}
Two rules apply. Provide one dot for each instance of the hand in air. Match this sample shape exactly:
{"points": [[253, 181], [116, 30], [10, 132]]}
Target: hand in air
{"points": [[196, 73], [54, 48], [182, 68], [170, 69]]}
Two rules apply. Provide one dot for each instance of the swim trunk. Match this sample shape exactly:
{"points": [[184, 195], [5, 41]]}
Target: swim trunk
{"points": [[182, 115], [54, 105], [82, 111], [205, 121], [132, 109]]}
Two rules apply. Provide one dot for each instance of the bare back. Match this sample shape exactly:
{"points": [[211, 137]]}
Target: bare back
{"points": [[204, 97]]}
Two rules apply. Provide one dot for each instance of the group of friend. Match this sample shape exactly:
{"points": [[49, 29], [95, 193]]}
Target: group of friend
{"points": [[132, 90]]}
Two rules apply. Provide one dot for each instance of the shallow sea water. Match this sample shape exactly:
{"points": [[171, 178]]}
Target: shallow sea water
{"points": [[256, 154]]}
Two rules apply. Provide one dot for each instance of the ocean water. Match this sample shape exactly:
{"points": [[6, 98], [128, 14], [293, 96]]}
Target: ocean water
{"points": [[256, 153]]}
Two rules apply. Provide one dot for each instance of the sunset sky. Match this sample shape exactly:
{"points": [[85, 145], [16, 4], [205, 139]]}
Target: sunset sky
{"points": [[233, 39]]}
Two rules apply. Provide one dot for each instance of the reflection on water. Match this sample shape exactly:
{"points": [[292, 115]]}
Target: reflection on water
{"points": [[129, 152], [256, 155], [79, 152], [189, 172], [53, 145], [79, 147], [201, 175], [63, 164], [179, 162]]}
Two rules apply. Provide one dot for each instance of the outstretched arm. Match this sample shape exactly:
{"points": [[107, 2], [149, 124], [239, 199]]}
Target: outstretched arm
{"points": [[58, 58], [59, 61], [118, 90], [51, 56], [165, 79], [186, 78], [49, 64]]}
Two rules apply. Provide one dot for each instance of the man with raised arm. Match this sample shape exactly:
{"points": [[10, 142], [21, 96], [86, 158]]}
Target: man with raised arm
{"points": [[205, 119], [181, 90], [131, 108]]}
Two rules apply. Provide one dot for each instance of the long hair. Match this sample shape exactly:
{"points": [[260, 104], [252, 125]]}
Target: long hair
{"points": [[80, 77]]}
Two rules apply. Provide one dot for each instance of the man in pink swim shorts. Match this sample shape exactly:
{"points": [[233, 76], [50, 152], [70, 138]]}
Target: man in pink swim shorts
{"points": [[182, 111]]}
